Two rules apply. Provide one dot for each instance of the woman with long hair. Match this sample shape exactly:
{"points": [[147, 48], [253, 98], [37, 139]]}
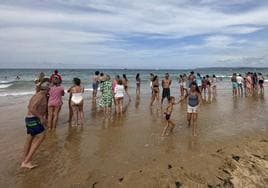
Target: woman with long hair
{"points": [[155, 91], [138, 84], [194, 100], [125, 83]]}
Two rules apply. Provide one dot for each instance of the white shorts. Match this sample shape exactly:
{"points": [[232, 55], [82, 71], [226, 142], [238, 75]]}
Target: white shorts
{"points": [[191, 109]]}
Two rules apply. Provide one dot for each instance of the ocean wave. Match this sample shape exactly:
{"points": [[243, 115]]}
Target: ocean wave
{"points": [[3, 86], [17, 94]]}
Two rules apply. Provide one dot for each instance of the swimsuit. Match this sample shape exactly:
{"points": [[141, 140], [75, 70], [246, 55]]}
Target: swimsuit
{"points": [[95, 86], [77, 98], [192, 104], [33, 125], [168, 116], [166, 93]]}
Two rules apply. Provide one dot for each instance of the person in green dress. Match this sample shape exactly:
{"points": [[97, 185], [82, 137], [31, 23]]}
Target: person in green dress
{"points": [[107, 95]]}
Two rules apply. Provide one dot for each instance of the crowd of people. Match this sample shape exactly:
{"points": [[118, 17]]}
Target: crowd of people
{"points": [[247, 85], [46, 103]]}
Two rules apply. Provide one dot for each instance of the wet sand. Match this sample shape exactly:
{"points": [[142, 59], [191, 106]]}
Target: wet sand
{"points": [[231, 149]]}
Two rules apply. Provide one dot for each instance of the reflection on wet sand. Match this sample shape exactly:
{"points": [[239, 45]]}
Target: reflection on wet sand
{"points": [[128, 151]]}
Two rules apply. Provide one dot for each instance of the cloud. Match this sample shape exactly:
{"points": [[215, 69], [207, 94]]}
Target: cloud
{"points": [[117, 30]]}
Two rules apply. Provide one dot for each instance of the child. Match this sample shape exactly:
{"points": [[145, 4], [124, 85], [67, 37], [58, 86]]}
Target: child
{"points": [[169, 109]]}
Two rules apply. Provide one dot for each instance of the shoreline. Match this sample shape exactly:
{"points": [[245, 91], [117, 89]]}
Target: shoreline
{"points": [[129, 151]]}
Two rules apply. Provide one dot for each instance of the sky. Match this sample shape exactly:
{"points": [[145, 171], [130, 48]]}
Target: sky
{"points": [[151, 34]]}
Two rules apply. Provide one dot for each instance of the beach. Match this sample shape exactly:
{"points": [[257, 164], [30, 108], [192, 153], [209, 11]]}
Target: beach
{"points": [[231, 148]]}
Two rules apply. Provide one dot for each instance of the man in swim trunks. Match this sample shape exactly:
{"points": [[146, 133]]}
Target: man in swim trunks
{"points": [[35, 121], [166, 82]]}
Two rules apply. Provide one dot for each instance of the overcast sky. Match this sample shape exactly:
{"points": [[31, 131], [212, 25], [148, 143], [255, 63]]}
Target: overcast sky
{"points": [[133, 34]]}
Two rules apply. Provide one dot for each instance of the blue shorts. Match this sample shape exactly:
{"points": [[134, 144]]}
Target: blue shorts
{"points": [[95, 86], [34, 126], [235, 85]]}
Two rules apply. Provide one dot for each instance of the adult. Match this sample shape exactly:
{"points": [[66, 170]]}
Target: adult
{"points": [[234, 84], [199, 81], [214, 84], [138, 84], [35, 122], [240, 82], [55, 74], [125, 83], [119, 97], [261, 82], [54, 102], [155, 90], [180, 80], [114, 83], [166, 82], [249, 85], [204, 86], [255, 82], [191, 78], [77, 102], [95, 84], [194, 101], [107, 95]]}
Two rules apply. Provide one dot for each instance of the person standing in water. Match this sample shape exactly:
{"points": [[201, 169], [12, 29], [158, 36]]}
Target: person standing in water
{"points": [[234, 84], [119, 97], [155, 91], [95, 84], [214, 84], [240, 82], [107, 95], [35, 122], [125, 84], [77, 102], [261, 82], [180, 80], [194, 101], [138, 84], [55, 74], [54, 102], [166, 82]]}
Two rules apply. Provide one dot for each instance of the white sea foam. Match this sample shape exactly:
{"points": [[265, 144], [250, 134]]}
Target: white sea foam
{"points": [[17, 93], [3, 86]]}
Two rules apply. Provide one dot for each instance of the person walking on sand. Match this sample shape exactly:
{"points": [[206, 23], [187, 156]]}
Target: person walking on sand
{"points": [[169, 123], [54, 102], [125, 84], [166, 82], [77, 102], [138, 84], [194, 101], [95, 84], [119, 97], [35, 122]]}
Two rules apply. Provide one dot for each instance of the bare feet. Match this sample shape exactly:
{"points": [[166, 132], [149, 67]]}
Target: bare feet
{"points": [[28, 165]]}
